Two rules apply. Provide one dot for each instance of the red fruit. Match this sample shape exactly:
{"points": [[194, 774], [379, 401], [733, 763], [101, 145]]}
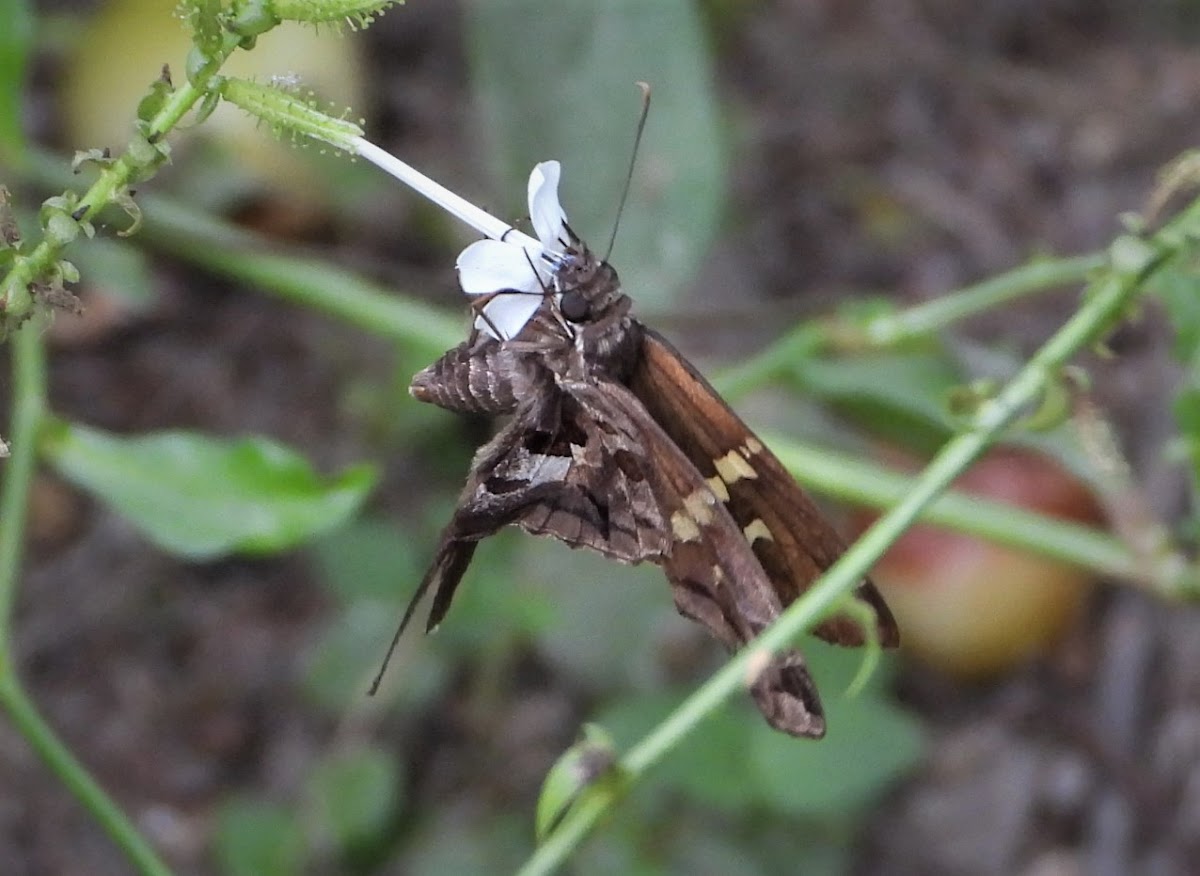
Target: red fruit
{"points": [[973, 608]]}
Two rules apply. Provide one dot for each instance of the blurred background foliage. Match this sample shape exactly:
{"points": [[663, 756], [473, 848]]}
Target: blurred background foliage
{"points": [[279, 763]]}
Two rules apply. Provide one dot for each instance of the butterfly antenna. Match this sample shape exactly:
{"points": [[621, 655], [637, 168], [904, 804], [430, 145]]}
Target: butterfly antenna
{"points": [[644, 87]]}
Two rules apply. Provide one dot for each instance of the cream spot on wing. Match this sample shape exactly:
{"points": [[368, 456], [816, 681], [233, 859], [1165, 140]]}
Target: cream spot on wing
{"points": [[756, 530], [699, 505], [718, 486], [684, 527], [751, 447], [732, 467], [718, 576]]}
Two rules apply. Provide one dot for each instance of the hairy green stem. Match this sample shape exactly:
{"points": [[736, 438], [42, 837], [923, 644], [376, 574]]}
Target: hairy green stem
{"points": [[242, 255], [1108, 299], [15, 297]]}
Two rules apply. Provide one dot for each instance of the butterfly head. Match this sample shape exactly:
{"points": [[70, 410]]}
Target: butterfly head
{"points": [[516, 275]]}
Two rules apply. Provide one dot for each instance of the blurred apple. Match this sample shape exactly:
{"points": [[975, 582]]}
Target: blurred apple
{"points": [[972, 608], [122, 51]]}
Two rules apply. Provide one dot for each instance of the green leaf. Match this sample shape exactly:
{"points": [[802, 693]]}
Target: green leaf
{"points": [[707, 764], [557, 81], [868, 745], [735, 761], [588, 761], [1178, 286], [156, 98], [899, 396], [201, 497], [355, 794], [16, 41], [258, 839], [369, 559]]}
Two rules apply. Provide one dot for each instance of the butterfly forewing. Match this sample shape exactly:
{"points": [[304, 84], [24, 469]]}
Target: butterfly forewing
{"points": [[789, 536], [714, 575]]}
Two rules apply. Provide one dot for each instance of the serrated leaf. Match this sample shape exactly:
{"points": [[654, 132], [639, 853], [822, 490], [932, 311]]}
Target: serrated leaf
{"points": [[583, 765], [202, 497], [204, 19], [355, 794], [258, 839], [557, 81]]}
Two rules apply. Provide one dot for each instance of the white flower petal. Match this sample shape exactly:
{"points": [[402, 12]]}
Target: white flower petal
{"points": [[545, 212], [508, 313], [489, 266]]}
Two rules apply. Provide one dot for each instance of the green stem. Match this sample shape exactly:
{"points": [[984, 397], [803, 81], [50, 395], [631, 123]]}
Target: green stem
{"points": [[309, 282], [15, 297], [75, 777], [29, 407], [925, 319], [233, 252], [917, 322], [802, 342], [852, 480], [1103, 308]]}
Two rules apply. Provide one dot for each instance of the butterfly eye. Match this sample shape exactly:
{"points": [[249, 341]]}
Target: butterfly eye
{"points": [[574, 306]]}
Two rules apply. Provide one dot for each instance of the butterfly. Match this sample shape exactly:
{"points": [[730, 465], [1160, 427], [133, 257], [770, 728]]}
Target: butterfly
{"points": [[617, 444]]}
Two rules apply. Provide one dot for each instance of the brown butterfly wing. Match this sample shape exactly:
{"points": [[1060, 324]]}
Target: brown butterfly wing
{"points": [[631, 463], [587, 464], [787, 532]]}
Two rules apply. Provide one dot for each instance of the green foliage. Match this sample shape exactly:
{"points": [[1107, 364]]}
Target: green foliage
{"points": [[355, 795], [1178, 288], [736, 763], [581, 766], [900, 396], [201, 497], [547, 79], [258, 839], [16, 42]]}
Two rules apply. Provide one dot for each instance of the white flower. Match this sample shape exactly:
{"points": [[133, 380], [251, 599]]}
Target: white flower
{"points": [[518, 269]]}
